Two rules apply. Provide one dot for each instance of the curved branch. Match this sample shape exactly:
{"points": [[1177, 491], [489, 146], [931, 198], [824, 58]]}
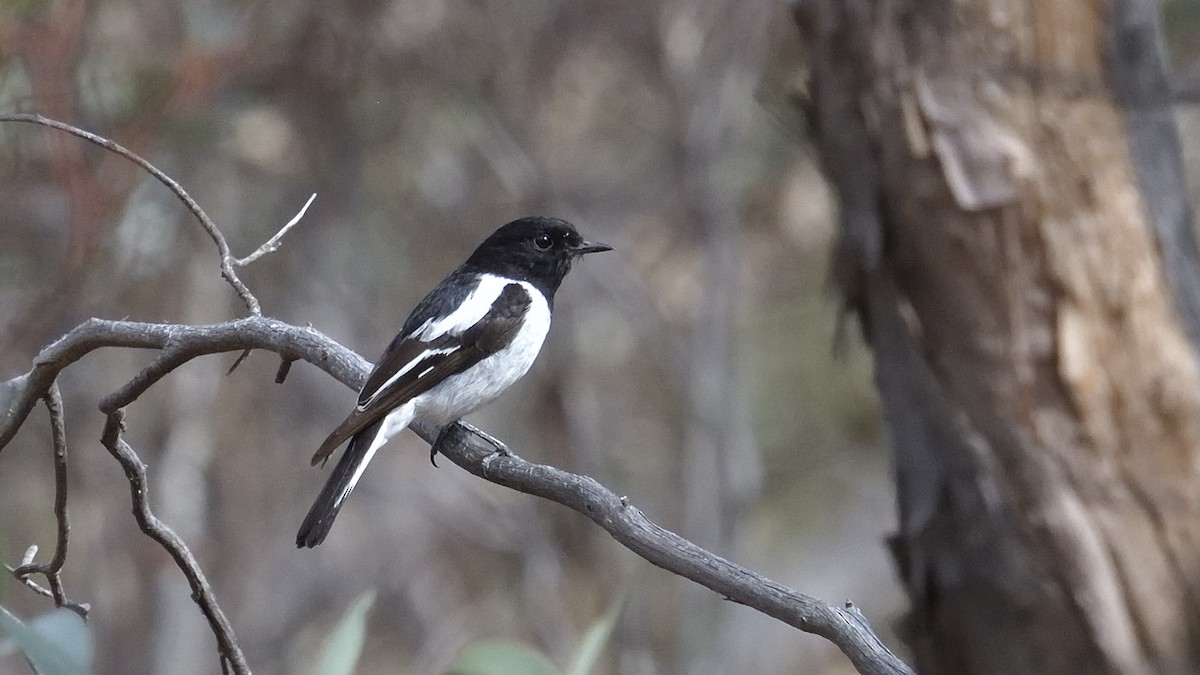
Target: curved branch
{"points": [[844, 626], [52, 570], [19, 394], [227, 259], [232, 659]]}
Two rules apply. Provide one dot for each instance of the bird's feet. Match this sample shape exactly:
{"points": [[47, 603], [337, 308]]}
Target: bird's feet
{"points": [[437, 443], [491, 440], [501, 448]]}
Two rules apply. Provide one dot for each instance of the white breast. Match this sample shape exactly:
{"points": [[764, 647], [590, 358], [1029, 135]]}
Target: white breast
{"points": [[461, 394]]}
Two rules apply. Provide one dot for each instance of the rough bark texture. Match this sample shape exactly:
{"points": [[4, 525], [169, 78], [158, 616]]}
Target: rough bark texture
{"points": [[1017, 245]]}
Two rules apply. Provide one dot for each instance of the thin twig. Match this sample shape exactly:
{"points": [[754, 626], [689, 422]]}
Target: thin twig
{"points": [[238, 361], [273, 244], [135, 473], [285, 367], [28, 581], [227, 259], [168, 359], [52, 570], [58, 426]]}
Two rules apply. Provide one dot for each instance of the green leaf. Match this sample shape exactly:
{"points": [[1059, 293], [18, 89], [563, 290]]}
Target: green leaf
{"points": [[595, 640], [344, 645], [497, 657], [56, 643]]}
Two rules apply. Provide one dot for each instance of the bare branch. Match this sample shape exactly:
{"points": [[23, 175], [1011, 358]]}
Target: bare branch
{"points": [[52, 570], [237, 362], [273, 244], [227, 259], [178, 344], [285, 367], [135, 473], [58, 426], [845, 627], [28, 581]]}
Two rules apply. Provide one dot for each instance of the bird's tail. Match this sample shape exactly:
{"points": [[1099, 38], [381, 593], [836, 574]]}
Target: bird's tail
{"points": [[345, 474]]}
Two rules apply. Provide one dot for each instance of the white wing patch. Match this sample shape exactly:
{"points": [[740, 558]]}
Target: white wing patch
{"points": [[421, 358], [460, 394], [473, 308], [476, 306]]}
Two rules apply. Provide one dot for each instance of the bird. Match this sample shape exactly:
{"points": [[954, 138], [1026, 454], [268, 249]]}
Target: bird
{"points": [[474, 335]]}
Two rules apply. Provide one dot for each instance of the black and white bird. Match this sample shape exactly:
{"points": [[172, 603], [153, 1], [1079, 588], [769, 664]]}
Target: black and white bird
{"points": [[473, 336]]}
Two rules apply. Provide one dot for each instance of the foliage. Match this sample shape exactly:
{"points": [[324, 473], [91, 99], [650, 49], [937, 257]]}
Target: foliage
{"points": [[56, 643], [343, 647], [500, 657]]}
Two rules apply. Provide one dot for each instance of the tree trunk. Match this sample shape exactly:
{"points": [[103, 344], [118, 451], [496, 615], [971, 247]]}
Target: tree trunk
{"points": [[1017, 246]]}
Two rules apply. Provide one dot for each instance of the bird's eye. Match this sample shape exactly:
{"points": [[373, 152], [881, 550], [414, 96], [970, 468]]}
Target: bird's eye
{"points": [[543, 242]]}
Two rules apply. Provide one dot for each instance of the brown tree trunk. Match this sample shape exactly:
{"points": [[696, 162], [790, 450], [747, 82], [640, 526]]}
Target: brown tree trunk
{"points": [[1017, 246]]}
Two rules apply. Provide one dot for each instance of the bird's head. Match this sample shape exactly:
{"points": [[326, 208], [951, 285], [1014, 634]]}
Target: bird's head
{"points": [[538, 249]]}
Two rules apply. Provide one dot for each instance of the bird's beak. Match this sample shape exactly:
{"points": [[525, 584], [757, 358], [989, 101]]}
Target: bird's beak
{"points": [[591, 247]]}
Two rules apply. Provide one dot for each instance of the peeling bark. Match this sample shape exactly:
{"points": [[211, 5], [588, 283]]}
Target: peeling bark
{"points": [[1017, 245]]}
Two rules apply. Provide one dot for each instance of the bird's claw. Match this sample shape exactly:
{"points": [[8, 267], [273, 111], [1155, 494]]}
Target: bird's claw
{"points": [[437, 443], [501, 449]]}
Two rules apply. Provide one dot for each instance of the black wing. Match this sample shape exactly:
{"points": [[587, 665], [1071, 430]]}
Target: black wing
{"points": [[425, 363]]}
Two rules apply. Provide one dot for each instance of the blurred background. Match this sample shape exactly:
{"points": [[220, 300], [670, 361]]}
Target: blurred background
{"points": [[694, 369]]}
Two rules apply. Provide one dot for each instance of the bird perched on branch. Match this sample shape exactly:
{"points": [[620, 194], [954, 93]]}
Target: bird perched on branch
{"points": [[473, 336]]}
